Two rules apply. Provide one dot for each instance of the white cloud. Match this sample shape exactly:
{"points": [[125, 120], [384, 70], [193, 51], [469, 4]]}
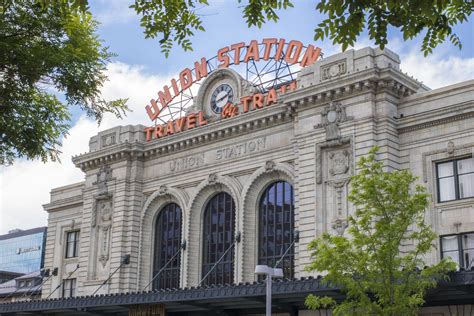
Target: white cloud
{"points": [[25, 186], [437, 70]]}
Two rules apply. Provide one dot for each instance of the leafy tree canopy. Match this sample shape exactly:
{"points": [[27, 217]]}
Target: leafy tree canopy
{"points": [[372, 267], [45, 50], [175, 21]]}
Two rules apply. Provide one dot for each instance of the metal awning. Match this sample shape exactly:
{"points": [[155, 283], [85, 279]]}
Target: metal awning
{"points": [[246, 298]]}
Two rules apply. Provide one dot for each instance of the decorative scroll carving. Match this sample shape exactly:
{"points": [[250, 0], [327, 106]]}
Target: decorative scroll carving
{"points": [[339, 188], [104, 244], [331, 117], [163, 190], [269, 165], [340, 225], [212, 178]]}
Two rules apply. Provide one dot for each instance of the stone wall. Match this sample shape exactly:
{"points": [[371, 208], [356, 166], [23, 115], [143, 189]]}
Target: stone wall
{"points": [[312, 138]]}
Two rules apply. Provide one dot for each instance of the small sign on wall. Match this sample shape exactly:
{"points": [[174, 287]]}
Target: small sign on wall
{"points": [[147, 310]]}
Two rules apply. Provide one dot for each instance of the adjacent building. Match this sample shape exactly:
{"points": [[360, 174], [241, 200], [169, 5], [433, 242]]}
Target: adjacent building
{"points": [[189, 208], [22, 251]]}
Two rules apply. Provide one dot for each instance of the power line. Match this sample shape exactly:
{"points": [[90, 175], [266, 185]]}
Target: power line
{"points": [[237, 240], [125, 260], [183, 247], [61, 283]]}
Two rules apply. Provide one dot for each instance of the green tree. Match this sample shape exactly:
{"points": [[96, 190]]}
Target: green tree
{"points": [[47, 51], [175, 21], [369, 266]]}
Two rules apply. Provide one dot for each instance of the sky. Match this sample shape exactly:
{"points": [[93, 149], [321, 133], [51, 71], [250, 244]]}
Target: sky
{"points": [[140, 70]]}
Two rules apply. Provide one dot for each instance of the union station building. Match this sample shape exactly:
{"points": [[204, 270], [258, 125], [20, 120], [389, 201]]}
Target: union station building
{"points": [[173, 218]]}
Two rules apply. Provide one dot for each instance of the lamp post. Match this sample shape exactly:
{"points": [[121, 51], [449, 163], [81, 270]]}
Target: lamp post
{"points": [[270, 273]]}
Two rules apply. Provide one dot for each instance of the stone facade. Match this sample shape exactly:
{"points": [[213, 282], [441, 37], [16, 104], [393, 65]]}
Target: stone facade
{"points": [[312, 138]]}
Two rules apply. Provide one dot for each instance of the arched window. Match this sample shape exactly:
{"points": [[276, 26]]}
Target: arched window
{"points": [[218, 236], [276, 225], [167, 245]]}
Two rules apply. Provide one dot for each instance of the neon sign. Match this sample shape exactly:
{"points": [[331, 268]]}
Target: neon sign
{"points": [[279, 50]]}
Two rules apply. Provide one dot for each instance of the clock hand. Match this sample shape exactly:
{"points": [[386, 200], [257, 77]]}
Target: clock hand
{"points": [[219, 100]]}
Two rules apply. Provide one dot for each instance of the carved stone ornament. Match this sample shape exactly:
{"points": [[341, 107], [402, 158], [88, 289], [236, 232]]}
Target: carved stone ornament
{"points": [[269, 165], [108, 140], [333, 70], [339, 162], [106, 211], [163, 189], [212, 178], [104, 175], [248, 88], [101, 212], [104, 244], [340, 225], [103, 259], [331, 117], [451, 148]]}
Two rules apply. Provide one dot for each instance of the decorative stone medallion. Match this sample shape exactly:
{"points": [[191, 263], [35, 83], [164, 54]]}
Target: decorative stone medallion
{"points": [[339, 162], [332, 115]]}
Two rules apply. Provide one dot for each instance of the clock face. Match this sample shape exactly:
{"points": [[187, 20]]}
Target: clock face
{"points": [[222, 95]]}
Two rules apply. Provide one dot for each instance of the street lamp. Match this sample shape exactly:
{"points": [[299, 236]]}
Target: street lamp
{"points": [[270, 273]]}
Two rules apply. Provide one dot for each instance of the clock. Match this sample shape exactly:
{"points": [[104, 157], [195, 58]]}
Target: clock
{"points": [[221, 95]]}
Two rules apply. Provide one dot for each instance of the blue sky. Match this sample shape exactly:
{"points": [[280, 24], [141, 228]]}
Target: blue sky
{"points": [[140, 70]]}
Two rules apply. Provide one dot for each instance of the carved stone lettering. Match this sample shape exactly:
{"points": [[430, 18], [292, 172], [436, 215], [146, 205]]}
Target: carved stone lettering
{"points": [[240, 149], [186, 163]]}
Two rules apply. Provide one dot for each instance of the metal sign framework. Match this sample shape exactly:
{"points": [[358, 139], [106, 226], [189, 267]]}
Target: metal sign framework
{"points": [[263, 75]]}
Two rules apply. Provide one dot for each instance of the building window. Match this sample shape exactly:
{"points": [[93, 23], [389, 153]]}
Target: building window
{"points": [[72, 244], [276, 225], [219, 222], [69, 288], [460, 248], [167, 247], [455, 179]]}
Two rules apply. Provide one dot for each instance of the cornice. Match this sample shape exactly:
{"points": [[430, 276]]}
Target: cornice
{"points": [[69, 202], [416, 125], [376, 80], [223, 129]]}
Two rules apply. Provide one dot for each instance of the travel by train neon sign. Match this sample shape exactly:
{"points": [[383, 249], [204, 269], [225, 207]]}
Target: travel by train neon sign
{"points": [[166, 109]]}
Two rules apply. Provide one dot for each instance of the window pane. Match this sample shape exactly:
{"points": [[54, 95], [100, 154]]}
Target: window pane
{"points": [[468, 250], [445, 169], [466, 185], [468, 241], [465, 165], [446, 189], [450, 247], [167, 247], [449, 243], [276, 224], [219, 222]]}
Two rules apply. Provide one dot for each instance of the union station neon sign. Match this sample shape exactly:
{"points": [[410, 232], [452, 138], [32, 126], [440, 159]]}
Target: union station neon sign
{"points": [[291, 53]]}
